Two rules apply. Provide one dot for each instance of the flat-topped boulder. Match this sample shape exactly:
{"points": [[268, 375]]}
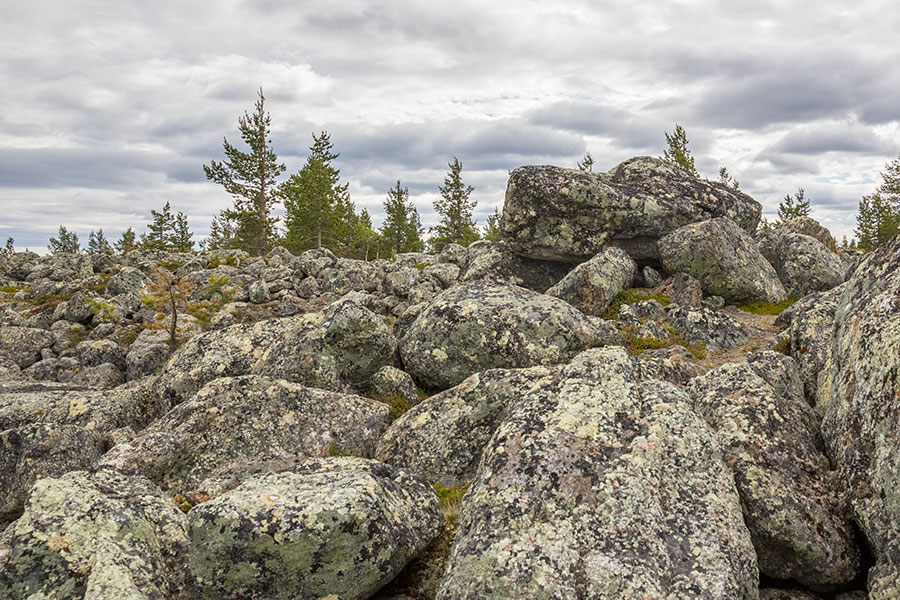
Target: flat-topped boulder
{"points": [[554, 213]]}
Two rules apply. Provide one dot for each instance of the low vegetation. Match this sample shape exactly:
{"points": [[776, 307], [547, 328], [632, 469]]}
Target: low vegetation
{"points": [[767, 308], [631, 296]]}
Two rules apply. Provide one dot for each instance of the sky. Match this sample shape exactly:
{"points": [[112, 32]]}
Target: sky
{"points": [[109, 109]]}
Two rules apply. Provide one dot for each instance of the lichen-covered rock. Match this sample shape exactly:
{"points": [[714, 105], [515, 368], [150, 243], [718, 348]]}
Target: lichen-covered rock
{"points": [[591, 286], [688, 291], [811, 331], [47, 430], [259, 293], [92, 353], [724, 259], [331, 528], [442, 438], [673, 364], [147, 354], [498, 261], [100, 535], [391, 382], [127, 281], [553, 213], [779, 371], [244, 417], [602, 486], [715, 328], [861, 412], [23, 345], [651, 276], [792, 502], [780, 594], [343, 344], [482, 325], [812, 228], [804, 265]]}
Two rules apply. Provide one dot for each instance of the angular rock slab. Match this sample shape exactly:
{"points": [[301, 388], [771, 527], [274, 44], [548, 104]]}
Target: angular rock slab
{"points": [[483, 325], [343, 344], [99, 535], [332, 528], [591, 286], [793, 505], [862, 410], [23, 345], [245, 417], [602, 487], [724, 259], [553, 213]]}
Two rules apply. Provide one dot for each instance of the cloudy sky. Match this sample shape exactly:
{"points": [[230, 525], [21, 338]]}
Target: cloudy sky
{"points": [[110, 108]]}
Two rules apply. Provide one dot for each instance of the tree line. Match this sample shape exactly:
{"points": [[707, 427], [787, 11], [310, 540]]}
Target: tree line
{"points": [[318, 211]]}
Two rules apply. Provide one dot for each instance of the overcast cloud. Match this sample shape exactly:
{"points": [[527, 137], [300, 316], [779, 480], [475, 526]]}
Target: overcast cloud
{"points": [[110, 109]]}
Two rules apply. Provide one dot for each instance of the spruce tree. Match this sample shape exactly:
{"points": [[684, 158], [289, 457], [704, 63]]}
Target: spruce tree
{"points": [[401, 229], [457, 225], [126, 243], [317, 206], [726, 178], [250, 177], [66, 242], [793, 206], [492, 228], [9, 249], [677, 152], [879, 213], [221, 234], [97, 243]]}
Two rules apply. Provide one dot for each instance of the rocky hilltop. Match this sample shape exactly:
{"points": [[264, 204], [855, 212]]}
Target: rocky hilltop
{"points": [[595, 407]]}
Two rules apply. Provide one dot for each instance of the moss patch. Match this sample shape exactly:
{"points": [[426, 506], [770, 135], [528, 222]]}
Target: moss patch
{"points": [[631, 296], [766, 308]]}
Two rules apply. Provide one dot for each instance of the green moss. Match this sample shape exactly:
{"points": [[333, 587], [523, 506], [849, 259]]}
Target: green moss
{"points": [[631, 296], [398, 404], [215, 262], [450, 497], [783, 345], [636, 345], [101, 308], [171, 265], [767, 308], [335, 450], [9, 289], [421, 266]]}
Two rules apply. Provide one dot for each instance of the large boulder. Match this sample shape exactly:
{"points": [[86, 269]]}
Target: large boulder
{"points": [[442, 437], [724, 259], [47, 430], [602, 485], [862, 413], [329, 528], [343, 345], [23, 345], [92, 536], [812, 228], [553, 213], [591, 286], [483, 325], [792, 502], [248, 417], [715, 328], [804, 265], [497, 260]]}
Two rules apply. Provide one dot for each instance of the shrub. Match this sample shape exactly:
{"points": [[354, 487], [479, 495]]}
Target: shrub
{"points": [[767, 308]]}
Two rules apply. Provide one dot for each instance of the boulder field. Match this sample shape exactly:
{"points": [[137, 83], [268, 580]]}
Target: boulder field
{"points": [[599, 406]]}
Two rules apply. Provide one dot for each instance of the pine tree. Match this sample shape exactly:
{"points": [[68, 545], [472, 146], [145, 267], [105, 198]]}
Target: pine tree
{"points": [[317, 205], [251, 180], [67, 242], [126, 243], [401, 229], [169, 293], [9, 249], [363, 238], [879, 213], [678, 153], [587, 163], [159, 234], [221, 234], [457, 225], [180, 239], [97, 243], [793, 206], [726, 178], [492, 228]]}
